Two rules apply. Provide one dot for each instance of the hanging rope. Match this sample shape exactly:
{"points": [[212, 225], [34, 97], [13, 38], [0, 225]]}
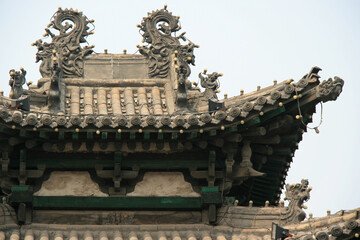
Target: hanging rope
{"points": [[300, 114]]}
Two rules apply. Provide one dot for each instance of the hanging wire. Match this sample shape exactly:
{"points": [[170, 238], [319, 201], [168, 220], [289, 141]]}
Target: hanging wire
{"points": [[300, 114]]}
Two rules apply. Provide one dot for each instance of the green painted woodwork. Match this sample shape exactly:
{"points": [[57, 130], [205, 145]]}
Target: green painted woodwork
{"points": [[104, 135], [75, 136], [210, 189], [44, 135], [90, 135], [20, 194], [212, 155], [273, 113], [232, 129], [132, 135], [22, 155], [79, 163], [118, 136], [252, 122], [160, 136], [20, 188], [117, 157], [282, 151], [211, 195], [61, 135], [146, 135], [174, 135], [192, 135], [68, 202], [212, 133]]}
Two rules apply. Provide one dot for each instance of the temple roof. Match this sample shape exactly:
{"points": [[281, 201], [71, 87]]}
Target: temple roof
{"points": [[342, 225], [144, 103]]}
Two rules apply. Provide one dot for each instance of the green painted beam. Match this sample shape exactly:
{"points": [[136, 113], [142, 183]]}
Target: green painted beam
{"points": [[232, 129], [252, 122], [273, 113], [79, 163], [67, 202]]}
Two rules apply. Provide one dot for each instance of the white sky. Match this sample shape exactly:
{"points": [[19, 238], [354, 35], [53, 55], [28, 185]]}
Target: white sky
{"points": [[252, 43]]}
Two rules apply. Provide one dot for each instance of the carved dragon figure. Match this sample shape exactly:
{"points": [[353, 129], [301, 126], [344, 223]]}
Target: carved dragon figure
{"points": [[210, 82], [17, 80], [296, 194], [329, 90], [157, 29], [65, 47]]}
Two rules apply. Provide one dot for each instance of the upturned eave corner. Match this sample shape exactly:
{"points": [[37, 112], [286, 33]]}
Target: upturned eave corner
{"points": [[117, 117]]}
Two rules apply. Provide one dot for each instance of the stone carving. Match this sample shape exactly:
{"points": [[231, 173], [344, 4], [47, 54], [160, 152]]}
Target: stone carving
{"points": [[312, 76], [65, 47], [17, 80], [296, 194], [210, 82], [329, 90], [156, 30]]}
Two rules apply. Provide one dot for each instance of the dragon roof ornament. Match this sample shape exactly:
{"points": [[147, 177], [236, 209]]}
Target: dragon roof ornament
{"points": [[210, 81], [157, 30], [297, 194], [64, 49]]}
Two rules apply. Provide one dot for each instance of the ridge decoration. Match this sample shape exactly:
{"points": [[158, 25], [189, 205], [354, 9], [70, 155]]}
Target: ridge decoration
{"points": [[157, 29], [65, 49], [16, 82], [329, 90], [210, 82], [297, 194]]}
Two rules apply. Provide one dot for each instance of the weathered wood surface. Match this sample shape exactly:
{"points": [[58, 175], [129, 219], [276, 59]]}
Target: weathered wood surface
{"points": [[115, 217]]}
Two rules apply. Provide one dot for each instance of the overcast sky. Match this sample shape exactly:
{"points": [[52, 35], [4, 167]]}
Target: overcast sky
{"points": [[252, 43]]}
